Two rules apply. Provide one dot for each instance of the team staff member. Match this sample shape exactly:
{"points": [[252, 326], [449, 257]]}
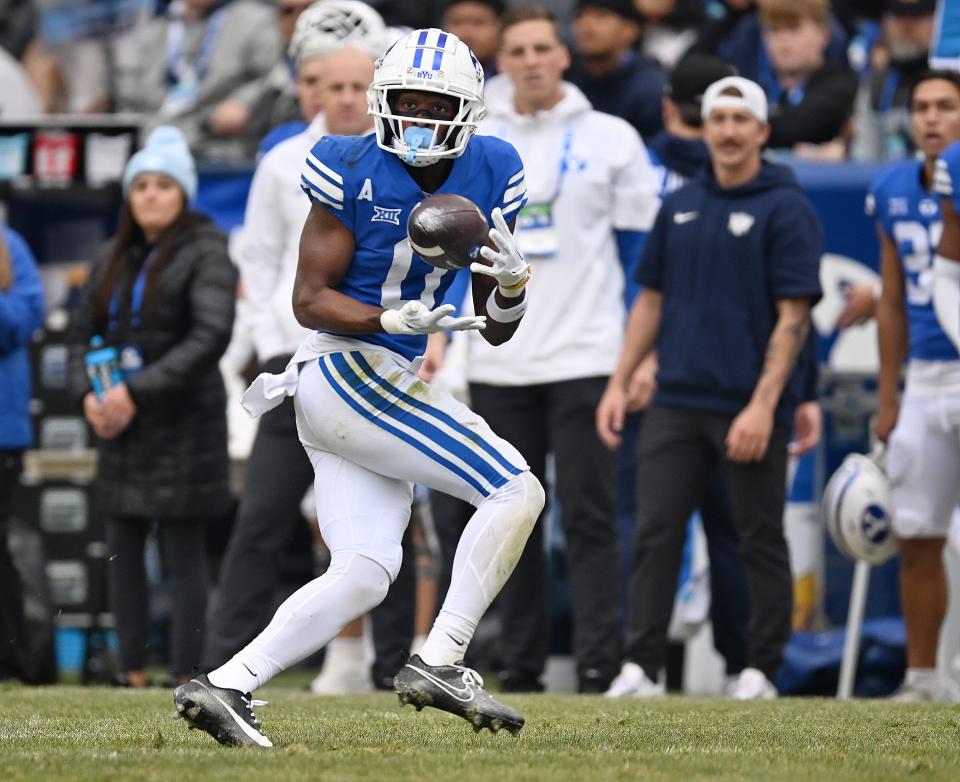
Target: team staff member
{"points": [[590, 187], [730, 272]]}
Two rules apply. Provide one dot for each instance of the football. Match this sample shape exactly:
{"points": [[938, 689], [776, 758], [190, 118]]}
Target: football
{"points": [[447, 231]]}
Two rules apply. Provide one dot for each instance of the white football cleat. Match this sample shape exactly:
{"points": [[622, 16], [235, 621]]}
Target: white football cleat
{"points": [[752, 685], [632, 682], [912, 693]]}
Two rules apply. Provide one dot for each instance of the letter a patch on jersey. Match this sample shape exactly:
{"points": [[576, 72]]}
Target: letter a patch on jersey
{"points": [[366, 192]]}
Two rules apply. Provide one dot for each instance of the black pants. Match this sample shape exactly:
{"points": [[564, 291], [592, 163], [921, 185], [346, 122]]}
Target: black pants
{"points": [[278, 474], [11, 590], [558, 418], [677, 454], [184, 561]]}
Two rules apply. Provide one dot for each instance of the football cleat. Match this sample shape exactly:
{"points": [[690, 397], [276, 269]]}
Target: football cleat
{"points": [[225, 714], [457, 689]]}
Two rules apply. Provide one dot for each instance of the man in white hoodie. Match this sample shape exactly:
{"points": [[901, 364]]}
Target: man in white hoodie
{"points": [[332, 90], [592, 196]]}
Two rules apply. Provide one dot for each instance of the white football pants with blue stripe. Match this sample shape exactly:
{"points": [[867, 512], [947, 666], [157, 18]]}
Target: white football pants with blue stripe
{"points": [[372, 429]]}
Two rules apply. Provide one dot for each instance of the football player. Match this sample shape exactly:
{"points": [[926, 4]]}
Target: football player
{"points": [[923, 451], [370, 427]]}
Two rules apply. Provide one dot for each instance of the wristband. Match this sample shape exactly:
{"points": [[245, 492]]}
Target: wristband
{"points": [[505, 314], [512, 291]]}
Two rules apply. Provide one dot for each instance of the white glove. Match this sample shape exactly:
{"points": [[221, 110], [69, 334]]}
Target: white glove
{"points": [[416, 318], [509, 269]]}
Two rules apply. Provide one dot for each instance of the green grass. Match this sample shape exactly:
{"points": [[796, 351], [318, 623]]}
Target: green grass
{"points": [[77, 734]]}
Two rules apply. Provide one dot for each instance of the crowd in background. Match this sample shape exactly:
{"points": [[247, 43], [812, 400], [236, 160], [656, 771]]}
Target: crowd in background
{"points": [[236, 80], [836, 73]]}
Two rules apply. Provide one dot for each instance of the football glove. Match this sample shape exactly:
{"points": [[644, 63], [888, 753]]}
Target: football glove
{"points": [[509, 268], [415, 317]]}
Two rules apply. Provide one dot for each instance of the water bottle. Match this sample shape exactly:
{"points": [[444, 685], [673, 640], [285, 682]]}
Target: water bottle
{"points": [[103, 367]]}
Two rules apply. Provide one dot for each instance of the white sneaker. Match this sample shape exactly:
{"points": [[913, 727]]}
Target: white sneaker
{"points": [[633, 682], [752, 685], [911, 693]]}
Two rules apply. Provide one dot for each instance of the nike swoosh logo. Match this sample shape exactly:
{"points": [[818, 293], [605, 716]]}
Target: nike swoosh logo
{"points": [[685, 217], [464, 693], [457, 642], [257, 737]]}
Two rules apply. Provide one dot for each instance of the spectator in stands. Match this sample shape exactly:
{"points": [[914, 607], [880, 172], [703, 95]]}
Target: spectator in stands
{"points": [[606, 67], [743, 47], [669, 28], [279, 472], [475, 22], [21, 313], [278, 111], [741, 238], [592, 194], [882, 119], [722, 16], [17, 95], [200, 66], [810, 99], [164, 297]]}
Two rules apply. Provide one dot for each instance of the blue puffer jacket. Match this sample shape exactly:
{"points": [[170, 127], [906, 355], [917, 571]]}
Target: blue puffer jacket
{"points": [[21, 313]]}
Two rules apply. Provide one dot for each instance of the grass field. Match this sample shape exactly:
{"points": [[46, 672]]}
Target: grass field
{"points": [[78, 734]]}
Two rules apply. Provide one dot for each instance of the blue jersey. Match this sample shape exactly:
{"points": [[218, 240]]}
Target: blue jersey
{"points": [[946, 174], [909, 215], [371, 192]]}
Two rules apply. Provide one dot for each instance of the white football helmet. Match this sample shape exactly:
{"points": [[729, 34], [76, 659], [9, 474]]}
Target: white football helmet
{"points": [[433, 61], [329, 24], [856, 509]]}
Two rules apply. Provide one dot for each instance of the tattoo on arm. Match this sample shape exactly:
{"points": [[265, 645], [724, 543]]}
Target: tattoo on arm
{"points": [[786, 341]]}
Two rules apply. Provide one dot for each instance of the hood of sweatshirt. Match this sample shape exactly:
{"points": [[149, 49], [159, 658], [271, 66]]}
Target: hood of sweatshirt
{"points": [[771, 175]]}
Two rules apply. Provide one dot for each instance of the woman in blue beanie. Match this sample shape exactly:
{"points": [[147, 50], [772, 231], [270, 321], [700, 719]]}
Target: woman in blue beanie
{"points": [[21, 313], [163, 297]]}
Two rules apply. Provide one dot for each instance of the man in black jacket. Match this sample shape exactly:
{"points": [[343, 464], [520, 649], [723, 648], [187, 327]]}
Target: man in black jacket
{"points": [[730, 272]]}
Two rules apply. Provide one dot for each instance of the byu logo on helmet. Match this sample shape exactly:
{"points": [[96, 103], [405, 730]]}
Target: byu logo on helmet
{"points": [[875, 524]]}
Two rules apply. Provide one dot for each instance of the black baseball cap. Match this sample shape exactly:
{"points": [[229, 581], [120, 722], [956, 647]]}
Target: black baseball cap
{"points": [[911, 7], [692, 75], [624, 8]]}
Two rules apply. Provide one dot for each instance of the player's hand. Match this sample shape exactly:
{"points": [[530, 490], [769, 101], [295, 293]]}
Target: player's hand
{"points": [[610, 414], [861, 306], [509, 268], [749, 434], [807, 428], [643, 383], [433, 356], [887, 414], [415, 317]]}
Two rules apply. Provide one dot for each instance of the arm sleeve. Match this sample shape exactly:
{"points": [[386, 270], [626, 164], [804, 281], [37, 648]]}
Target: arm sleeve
{"points": [[650, 268], [946, 176], [260, 253], [212, 294], [794, 248], [630, 246], [820, 116], [636, 186], [323, 181], [21, 307], [511, 192]]}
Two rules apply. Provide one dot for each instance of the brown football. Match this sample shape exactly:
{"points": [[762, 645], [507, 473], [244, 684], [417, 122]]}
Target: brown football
{"points": [[447, 231]]}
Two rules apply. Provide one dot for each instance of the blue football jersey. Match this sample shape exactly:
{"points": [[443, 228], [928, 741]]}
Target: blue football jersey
{"points": [[910, 215], [372, 193]]}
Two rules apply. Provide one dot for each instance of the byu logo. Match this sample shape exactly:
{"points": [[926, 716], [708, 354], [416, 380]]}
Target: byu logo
{"points": [[928, 207], [874, 523], [740, 223], [381, 215]]}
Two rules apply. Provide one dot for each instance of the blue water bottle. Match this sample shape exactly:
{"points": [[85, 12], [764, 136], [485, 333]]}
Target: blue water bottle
{"points": [[103, 367]]}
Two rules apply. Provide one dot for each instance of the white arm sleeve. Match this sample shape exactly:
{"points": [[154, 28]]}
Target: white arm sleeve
{"points": [[946, 296]]}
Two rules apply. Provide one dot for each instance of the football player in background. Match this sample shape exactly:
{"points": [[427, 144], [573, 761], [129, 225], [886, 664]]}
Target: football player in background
{"points": [[370, 427]]}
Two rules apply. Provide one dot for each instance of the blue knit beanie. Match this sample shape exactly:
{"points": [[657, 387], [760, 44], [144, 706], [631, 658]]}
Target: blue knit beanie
{"points": [[166, 152]]}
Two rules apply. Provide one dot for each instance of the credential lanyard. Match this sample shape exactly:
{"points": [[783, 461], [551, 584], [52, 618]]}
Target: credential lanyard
{"points": [[136, 296]]}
